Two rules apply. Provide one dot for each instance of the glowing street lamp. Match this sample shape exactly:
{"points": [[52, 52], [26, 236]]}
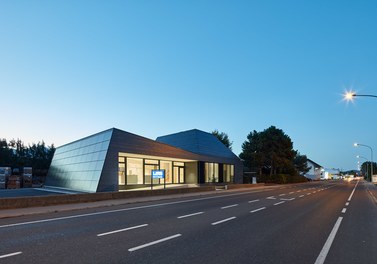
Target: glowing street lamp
{"points": [[348, 96], [371, 157], [361, 157]]}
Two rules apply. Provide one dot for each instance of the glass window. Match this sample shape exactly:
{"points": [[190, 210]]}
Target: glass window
{"points": [[228, 172], [178, 174], [167, 166], [134, 171], [148, 174], [181, 175], [211, 172], [148, 161], [122, 174]]}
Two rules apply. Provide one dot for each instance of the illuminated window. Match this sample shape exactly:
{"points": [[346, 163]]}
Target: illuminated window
{"points": [[149, 161], [148, 174], [122, 174], [211, 172], [167, 165], [134, 171], [228, 172]]}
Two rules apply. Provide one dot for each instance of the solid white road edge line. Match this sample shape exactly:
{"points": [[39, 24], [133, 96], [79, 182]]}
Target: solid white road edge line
{"points": [[222, 221], [184, 216], [259, 209], [229, 206], [154, 242], [354, 188], [121, 230], [325, 250], [11, 254]]}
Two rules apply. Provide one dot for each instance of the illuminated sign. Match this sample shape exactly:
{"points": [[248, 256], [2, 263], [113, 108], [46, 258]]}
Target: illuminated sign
{"points": [[158, 174]]}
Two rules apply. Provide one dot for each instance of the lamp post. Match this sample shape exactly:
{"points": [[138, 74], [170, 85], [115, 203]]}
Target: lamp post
{"points": [[371, 157], [350, 95], [361, 157]]}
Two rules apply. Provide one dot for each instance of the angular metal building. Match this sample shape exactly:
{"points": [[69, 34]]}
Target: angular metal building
{"points": [[115, 160]]}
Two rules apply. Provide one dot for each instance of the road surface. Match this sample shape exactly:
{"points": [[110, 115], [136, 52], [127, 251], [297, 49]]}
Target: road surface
{"points": [[317, 222]]}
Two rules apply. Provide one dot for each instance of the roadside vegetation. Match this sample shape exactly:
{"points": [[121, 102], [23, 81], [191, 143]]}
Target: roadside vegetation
{"points": [[270, 155], [16, 155]]}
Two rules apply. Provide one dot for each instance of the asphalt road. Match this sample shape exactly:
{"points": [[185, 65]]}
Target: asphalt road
{"points": [[318, 222]]}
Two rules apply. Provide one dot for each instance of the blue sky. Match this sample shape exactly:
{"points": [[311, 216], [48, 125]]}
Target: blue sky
{"points": [[69, 69]]}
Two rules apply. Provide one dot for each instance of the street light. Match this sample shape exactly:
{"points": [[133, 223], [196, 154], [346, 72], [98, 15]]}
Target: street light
{"points": [[361, 157], [350, 95], [371, 157]]}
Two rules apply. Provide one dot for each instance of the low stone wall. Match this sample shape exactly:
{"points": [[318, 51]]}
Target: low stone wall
{"points": [[22, 202]]}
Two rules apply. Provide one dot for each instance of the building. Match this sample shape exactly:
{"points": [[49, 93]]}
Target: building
{"points": [[315, 172], [115, 160]]}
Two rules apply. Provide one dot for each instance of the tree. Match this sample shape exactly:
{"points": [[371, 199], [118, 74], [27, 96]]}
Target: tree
{"points": [[5, 153], [301, 163], [365, 167], [270, 150], [223, 137], [15, 154], [252, 153]]}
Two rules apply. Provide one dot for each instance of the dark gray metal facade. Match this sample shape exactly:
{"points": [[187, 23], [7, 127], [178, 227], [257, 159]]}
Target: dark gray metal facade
{"points": [[91, 164]]}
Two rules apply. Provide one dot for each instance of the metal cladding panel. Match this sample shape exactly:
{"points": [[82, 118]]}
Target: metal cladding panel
{"points": [[78, 165], [238, 172], [91, 164], [109, 175], [126, 142], [199, 142], [207, 146], [130, 143]]}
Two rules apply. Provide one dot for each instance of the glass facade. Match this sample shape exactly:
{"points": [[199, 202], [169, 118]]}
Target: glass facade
{"points": [[135, 171], [78, 165], [211, 172], [228, 172], [167, 166], [138, 171]]}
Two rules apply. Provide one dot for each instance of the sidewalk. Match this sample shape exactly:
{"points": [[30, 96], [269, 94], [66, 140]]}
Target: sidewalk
{"points": [[7, 213], [372, 190]]}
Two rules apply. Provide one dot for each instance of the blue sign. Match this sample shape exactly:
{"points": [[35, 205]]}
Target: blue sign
{"points": [[158, 174]]}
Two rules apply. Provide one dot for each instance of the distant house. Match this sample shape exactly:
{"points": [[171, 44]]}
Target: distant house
{"points": [[315, 170]]}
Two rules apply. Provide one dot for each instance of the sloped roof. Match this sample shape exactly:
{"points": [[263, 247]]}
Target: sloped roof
{"points": [[314, 163], [198, 142]]}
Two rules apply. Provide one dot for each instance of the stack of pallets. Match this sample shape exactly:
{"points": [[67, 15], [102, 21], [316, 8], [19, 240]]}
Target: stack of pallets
{"points": [[4, 174], [14, 182]]}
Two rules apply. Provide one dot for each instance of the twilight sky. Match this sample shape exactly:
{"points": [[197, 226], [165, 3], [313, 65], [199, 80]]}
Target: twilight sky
{"points": [[69, 69]]}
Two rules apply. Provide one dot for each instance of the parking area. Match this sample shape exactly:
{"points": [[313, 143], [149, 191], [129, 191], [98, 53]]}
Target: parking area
{"points": [[26, 192]]}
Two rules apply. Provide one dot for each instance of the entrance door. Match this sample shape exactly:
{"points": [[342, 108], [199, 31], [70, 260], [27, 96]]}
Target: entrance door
{"points": [[179, 174]]}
